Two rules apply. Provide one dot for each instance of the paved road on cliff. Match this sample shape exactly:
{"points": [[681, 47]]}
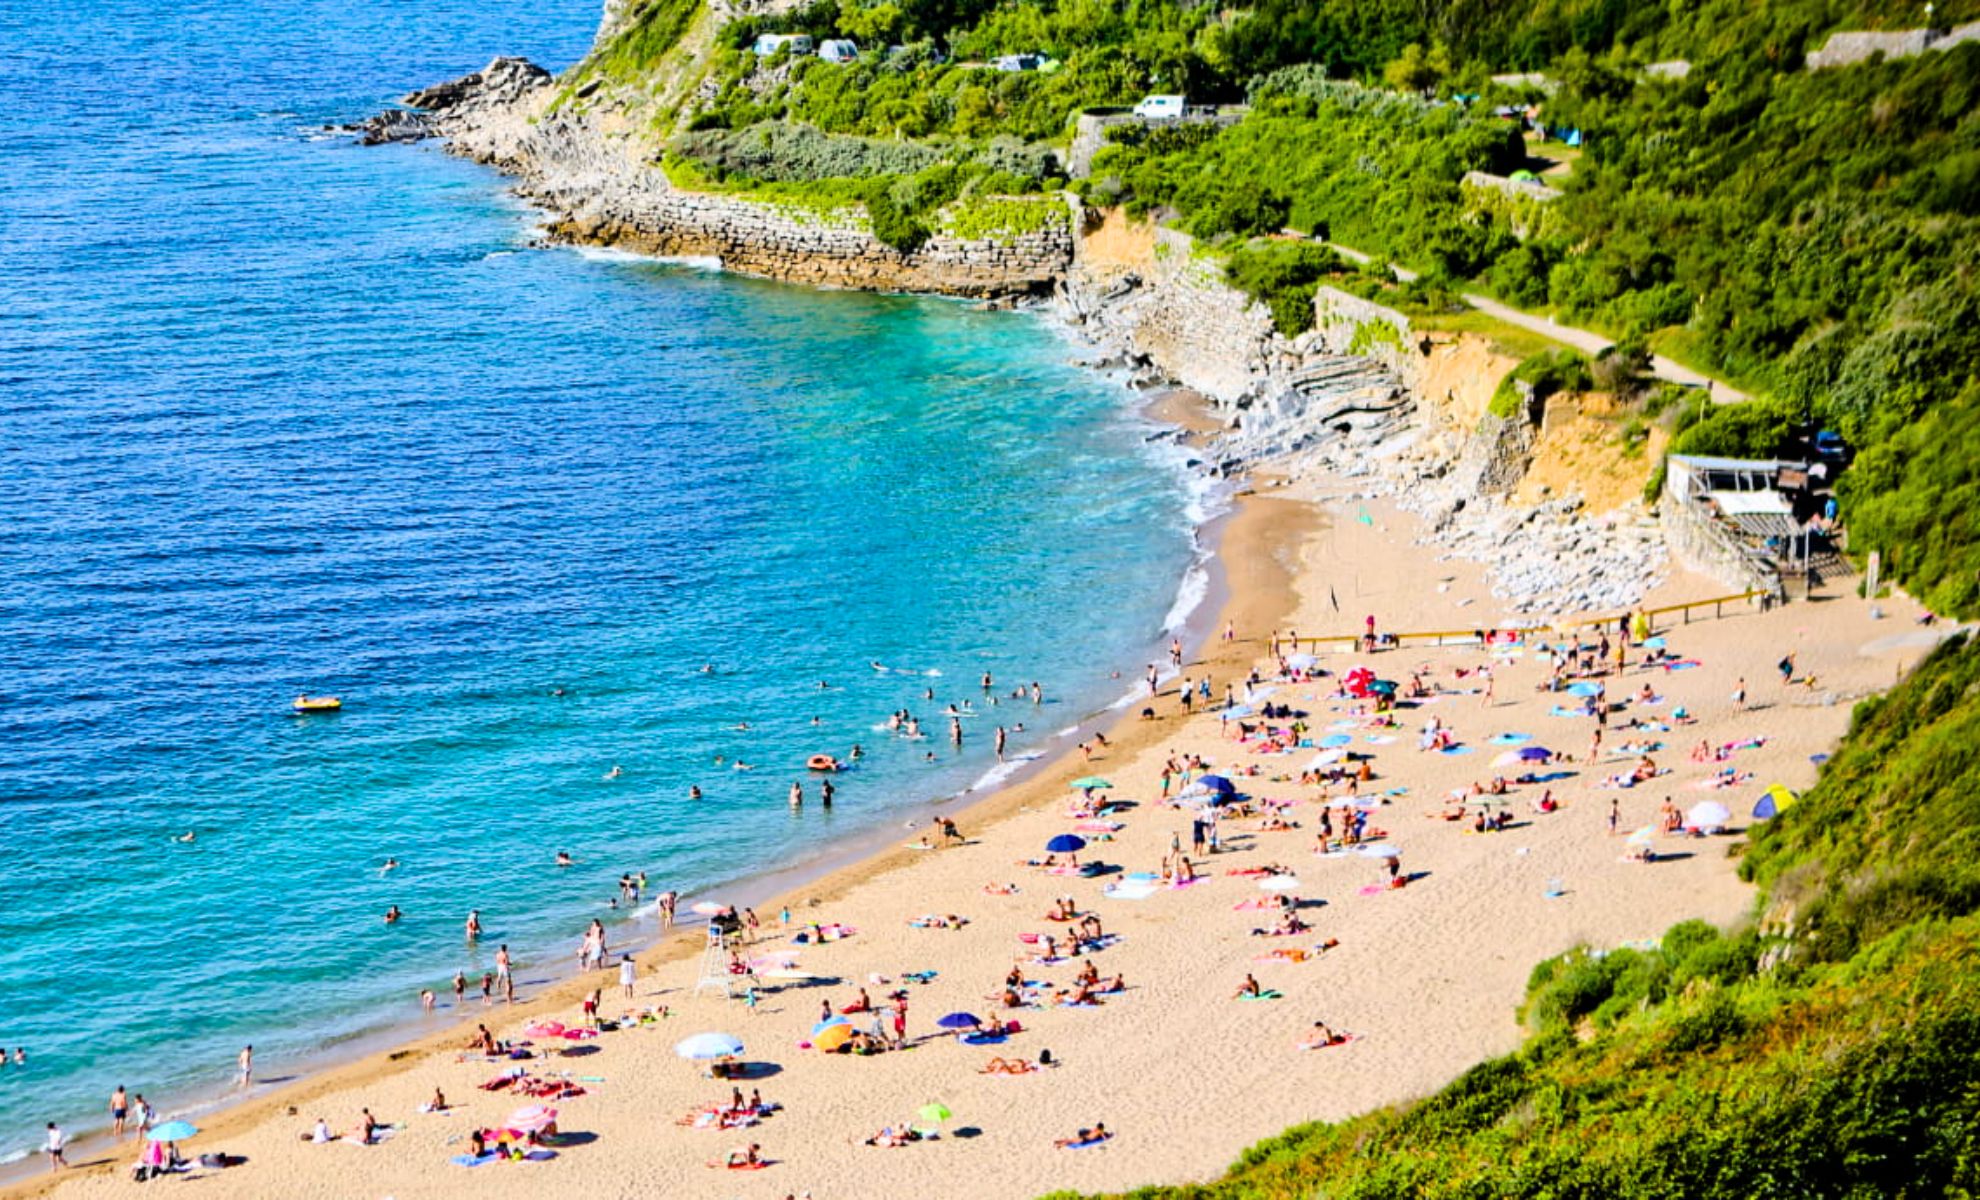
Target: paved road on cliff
{"points": [[1584, 340]]}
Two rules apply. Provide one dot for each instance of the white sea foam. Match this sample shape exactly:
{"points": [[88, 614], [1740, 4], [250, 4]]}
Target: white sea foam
{"points": [[612, 254]]}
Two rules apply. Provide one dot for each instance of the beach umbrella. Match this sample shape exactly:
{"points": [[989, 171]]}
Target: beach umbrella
{"points": [[708, 908], [828, 1023], [1302, 662], [1279, 883], [1383, 687], [1326, 758], [544, 1028], [1773, 802], [934, 1113], [1535, 753], [709, 1045], [1584, 689], [1216, 783], [1237, 710], [833, 1037], [1092, 783], [959, 1020], [1065, 843], [1643, 836], [172, 1131], [1357, 680], [1337, 739], [1708, 814], [1378, 850], [1510, 758], [533, 1118]]}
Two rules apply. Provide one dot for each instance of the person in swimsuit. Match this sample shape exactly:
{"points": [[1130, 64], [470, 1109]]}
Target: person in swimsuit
{"points": [[120, 1108]]}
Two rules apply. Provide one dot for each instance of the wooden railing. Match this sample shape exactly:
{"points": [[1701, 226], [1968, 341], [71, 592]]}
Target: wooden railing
{"points": [[1349, 642]]}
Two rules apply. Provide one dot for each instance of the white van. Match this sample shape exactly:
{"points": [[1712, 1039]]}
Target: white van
{"points": [[769, 43], [1159, 108], [838, 50]]}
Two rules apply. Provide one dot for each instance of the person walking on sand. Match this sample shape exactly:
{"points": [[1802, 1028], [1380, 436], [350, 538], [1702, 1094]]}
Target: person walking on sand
{"points": [[1739, 695], [1787, 670], [120, 1109], [627, 972], [1615, 814], [246, 1061], [54, 1144], [145, 1115]]}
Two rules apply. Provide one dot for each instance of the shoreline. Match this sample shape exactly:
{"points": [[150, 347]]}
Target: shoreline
{"points": [[852, 859]]}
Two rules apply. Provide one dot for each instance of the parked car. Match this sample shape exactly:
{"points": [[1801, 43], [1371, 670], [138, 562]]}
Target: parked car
{"points": [[1829, 445], [1159, 108], [838, 50]]}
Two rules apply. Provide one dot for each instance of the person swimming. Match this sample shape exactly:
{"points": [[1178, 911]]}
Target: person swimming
{"points": [[615, 772], [564, 858], [391, 864], [187, 836], [392, 914]]}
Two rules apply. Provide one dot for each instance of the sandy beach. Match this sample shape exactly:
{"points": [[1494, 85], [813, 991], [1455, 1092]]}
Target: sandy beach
{"points": [[1425, 978]]}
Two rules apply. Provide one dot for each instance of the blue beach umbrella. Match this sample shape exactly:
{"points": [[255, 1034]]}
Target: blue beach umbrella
{"points": [[1535, 754], [1337, 739], [1216, 783], [959, 1020], [172, 1131], [1585, 689], [1065, 843]]}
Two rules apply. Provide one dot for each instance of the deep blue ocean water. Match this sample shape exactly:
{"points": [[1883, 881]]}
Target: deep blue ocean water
{"points": [[280, 414]]}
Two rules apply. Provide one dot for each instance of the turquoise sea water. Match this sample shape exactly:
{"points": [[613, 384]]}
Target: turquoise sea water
{"points": [[282, 414]]}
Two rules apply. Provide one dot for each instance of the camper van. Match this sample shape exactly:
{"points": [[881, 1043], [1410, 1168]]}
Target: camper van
{"points": [[838, 50], [1159, 108], [769, 43]]}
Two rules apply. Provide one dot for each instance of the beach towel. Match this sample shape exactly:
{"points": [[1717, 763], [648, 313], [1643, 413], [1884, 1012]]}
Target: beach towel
{"points": [[1510, 739], [1339, 1041], [1264, 995], [474, 1160], [1086, 1145], [1460, 748]]}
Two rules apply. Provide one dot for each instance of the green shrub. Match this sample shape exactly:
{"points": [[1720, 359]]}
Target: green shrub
{"points": [[1283, 276]]}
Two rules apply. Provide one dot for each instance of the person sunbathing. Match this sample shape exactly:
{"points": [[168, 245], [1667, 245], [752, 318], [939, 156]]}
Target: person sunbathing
{"points": [[1008, 1066], [889, 1138], [752, 1156], [1250, 987], [1085, 1137], [1323, 1035], [1088, 973]]}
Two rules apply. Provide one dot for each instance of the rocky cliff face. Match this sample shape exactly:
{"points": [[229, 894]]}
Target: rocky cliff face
{"points": [[591, 173]]}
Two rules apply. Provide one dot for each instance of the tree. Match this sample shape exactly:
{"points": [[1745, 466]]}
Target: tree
{"points": [[1418, 71]]}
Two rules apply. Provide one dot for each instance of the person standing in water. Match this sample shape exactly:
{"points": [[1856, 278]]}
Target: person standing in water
{"points": [[797, 795], [473, 924], [246, 1061], [825, 790], [955, 732], [986, 683], [1002, 737]]}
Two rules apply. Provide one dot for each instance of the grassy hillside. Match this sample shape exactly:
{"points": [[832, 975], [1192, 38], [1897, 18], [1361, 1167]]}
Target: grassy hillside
{"points": [[1832, 1050]]}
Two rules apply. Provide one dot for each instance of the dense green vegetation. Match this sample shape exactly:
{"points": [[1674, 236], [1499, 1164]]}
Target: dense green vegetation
{"points": [[1831, 1050]]}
